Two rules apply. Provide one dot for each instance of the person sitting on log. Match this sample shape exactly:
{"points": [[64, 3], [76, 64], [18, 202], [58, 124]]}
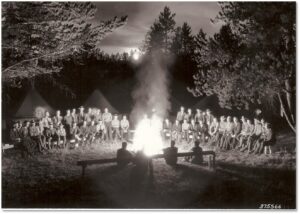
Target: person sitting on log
{"points": [[203, 132], [92, 133], [170, 154], [84, 132], [61, 133], [228, 133], [194, 132], [124, 157], [15, 135], [244, 127], [176, 131], [221, 131], [236, 131], [41, 135], [213, 132], [197, 153], [34, 135], [74, 135], [254, 136], [266, 140], [247, 134]]}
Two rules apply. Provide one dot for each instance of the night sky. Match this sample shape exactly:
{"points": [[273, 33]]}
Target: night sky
{"points": [[141, 16]]}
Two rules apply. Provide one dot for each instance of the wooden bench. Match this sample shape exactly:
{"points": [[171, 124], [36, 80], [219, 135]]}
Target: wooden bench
{"points": [[85, 163], [6, 146]]}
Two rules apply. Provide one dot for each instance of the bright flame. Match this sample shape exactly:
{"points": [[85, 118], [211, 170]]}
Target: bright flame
{"points": [[147, 136], [136, 56]]}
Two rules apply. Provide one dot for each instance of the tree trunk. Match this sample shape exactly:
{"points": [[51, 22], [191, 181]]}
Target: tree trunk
{"points": [[289, 99], [288, 116]]}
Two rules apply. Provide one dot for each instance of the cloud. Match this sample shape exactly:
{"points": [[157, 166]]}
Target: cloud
{"points": [[141, 15]]}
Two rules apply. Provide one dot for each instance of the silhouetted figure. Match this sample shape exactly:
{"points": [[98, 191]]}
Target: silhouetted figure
{"points": [[124, 157], [198, 156], [170, 154]]}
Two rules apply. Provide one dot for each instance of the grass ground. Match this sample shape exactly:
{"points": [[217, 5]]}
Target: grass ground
{"points": [[53, 180]]}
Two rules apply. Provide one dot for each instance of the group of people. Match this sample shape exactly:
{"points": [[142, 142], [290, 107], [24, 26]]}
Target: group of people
{"points": [[225, 133], [81, 128], [74, 129]]}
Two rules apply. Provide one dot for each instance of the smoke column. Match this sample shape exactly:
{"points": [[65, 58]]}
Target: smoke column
{"points": [[152, 88]]}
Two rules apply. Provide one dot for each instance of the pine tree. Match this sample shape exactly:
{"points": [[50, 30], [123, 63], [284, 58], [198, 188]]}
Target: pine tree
{"points": [[36, 36], [161, 33]]}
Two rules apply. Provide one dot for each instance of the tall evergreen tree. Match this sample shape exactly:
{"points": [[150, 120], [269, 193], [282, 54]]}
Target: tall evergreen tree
{"points": [[161, 33], [252, 60]]}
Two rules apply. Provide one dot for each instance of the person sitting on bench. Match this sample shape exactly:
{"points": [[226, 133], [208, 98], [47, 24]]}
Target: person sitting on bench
{"points": [[198, 156], [124, 157], [170, 154]]}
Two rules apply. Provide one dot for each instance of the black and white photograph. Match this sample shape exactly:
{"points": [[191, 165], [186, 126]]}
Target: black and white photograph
{"points": [[148, 105]]}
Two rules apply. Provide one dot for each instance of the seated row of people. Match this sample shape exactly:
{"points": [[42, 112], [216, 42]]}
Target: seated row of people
{"points": [[58, 132], [226, 133]]}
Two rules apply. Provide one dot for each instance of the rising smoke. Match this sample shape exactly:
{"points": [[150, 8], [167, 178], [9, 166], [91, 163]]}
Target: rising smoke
{"points": [[152, 88]]}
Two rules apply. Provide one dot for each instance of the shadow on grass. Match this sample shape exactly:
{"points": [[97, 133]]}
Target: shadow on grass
{"points": [[230, 186]]}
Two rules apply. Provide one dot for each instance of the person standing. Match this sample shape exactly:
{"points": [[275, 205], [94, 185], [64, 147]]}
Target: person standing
{"points": [[208, 117], [176, 131], [188, 116], [88, 116], [57, 119], [180, 115], [46, 120], [124, 128], [221, 131], [68, 120], [81, 116], [74, 116], [185, 129], [198, 115], [98, 116], [107, 118], [115, 124]]}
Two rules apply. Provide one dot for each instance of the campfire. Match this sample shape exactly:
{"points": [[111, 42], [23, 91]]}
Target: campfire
{"points": [[147, 136]]}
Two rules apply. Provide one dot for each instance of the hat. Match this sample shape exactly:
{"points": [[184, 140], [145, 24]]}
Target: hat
{"points": [[81, 107]]}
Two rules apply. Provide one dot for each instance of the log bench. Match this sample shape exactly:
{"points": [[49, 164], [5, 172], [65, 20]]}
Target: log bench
{"points": [[85, 163]]}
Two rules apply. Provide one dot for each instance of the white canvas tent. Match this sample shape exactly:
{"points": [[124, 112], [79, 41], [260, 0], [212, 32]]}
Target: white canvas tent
{"points": [[33, 105], [98, 100]]}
